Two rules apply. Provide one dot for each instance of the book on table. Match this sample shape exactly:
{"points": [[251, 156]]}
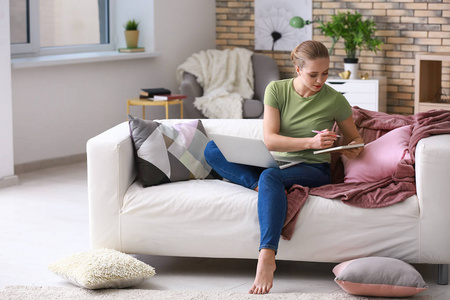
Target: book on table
{"points": [[169, 97], [131, 50], [148, 93]]}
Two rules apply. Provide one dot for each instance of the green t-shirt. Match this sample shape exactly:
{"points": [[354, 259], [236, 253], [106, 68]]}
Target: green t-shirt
{"points": [[299, 115]]}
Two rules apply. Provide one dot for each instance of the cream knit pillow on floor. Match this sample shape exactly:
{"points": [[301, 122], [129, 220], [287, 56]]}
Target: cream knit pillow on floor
{"points": [[102, 268]]}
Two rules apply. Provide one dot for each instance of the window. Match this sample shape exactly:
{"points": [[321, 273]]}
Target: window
{"points": [[23, 26], [59, 26]]}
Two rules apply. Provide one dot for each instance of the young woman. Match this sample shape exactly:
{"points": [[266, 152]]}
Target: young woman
{"points": [[293, 109]]}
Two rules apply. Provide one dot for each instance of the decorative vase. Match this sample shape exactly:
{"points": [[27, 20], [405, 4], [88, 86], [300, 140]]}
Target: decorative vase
{"points": [[351, 64], [132, 37]]}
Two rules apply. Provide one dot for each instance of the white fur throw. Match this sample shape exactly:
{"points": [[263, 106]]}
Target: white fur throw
{"points": [[226, 77]]}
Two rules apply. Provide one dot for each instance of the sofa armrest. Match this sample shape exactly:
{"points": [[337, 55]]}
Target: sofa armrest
{"points": [[111, 170], [190, 87], [433, 192], [252, 109]]}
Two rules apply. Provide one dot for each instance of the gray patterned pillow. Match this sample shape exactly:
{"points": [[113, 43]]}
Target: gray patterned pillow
{"points": [[169, 153]]}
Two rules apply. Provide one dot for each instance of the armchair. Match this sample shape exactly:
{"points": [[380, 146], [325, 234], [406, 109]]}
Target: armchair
{"points": [[265, 70]]}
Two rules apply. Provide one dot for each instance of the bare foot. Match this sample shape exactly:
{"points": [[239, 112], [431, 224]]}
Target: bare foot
{"points": [[264, 272]]}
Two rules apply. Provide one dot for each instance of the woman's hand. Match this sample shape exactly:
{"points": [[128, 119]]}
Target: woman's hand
{"points": [[324, 139], [352, 153], [348, 129]]}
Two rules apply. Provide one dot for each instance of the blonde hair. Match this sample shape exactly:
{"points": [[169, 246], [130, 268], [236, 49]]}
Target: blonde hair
{"points": [[308, 50]]}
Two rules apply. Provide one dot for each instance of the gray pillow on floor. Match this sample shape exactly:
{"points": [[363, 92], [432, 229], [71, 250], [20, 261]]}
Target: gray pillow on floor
{"points": [[379, 276]]}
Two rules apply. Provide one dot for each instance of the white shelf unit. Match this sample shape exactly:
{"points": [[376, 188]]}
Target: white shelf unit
{"points": [[368, 94]]}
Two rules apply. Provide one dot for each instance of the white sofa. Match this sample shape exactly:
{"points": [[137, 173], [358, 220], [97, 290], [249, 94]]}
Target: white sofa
{"points": [[215, 218]]}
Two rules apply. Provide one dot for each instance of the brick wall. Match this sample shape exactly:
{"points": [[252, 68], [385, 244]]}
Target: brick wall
{"points": [[407, 27]]}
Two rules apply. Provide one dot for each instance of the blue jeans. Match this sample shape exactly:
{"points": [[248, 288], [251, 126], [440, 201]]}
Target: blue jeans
{"points": [[272, 184]]}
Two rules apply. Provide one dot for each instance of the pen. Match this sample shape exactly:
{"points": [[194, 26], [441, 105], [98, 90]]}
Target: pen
{"points": [[317, 131]]}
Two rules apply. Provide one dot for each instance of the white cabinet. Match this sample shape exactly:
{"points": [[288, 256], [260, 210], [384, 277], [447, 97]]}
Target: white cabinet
{"points": [[369, 94]]}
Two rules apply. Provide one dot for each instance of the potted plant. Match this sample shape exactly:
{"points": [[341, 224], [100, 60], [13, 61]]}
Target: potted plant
{"points": [[131, 33], [357, 34]]}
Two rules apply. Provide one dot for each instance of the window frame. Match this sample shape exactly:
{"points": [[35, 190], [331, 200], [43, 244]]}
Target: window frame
{"points": [[33, 49], [33, 31]]}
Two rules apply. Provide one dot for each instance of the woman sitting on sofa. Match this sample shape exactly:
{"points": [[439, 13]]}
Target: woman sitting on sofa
{"points": [[293, 109]]}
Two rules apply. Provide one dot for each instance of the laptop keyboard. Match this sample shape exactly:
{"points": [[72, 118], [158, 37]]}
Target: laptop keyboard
{"points": [[282, 162]]}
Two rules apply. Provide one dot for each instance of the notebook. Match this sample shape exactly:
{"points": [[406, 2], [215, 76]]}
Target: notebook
{"points": [[249, 151], [339, 148]]}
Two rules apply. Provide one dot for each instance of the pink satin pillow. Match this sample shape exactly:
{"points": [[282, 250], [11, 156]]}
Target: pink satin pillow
{"points": [[379, 158]]}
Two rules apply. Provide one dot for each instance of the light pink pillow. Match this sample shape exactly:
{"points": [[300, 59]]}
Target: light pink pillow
{"points": [[379, 276], [379, 158]]}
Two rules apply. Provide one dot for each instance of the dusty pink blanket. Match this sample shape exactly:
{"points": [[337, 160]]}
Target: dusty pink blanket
{"points": [[401, 185]]}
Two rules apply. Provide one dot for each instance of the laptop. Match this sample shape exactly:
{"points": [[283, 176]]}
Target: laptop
{"points": [[249, 151]]}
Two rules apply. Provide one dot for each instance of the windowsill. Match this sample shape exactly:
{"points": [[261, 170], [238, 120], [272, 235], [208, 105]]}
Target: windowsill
{"points": [[77, 58]]}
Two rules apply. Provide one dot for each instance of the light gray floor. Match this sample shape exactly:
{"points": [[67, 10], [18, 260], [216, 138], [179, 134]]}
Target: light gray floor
{"points": [[45, 218]]}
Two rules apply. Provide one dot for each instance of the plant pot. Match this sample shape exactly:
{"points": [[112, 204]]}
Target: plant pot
{"points": [[132, 38], [351, 64]]}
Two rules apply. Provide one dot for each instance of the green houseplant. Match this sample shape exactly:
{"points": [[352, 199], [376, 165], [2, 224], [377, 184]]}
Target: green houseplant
{"points": [[131, 33], [357, 33], [131, 25]]}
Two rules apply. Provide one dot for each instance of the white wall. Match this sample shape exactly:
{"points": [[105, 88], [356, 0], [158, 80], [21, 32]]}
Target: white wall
{"points": [[56, 109], [140, 11], [6, 130]]}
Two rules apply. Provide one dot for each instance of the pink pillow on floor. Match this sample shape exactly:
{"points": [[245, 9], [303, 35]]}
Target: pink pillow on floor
{"points": [[379, 158]]}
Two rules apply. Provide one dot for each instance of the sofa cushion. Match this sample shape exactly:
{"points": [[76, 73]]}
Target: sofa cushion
{"points": [[167, 153], [379, 158], [102, 268], [379, 276]]}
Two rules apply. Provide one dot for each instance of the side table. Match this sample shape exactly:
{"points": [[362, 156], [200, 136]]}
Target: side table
{"points": [[144, 103]]}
